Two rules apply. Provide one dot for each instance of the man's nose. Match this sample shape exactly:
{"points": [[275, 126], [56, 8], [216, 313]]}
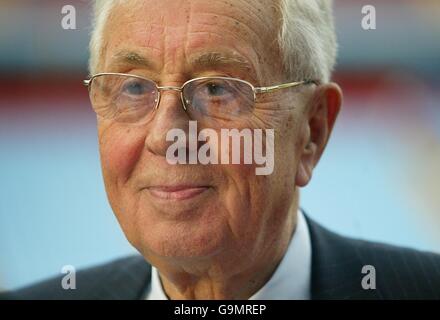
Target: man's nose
{"points": [[169, 114]]}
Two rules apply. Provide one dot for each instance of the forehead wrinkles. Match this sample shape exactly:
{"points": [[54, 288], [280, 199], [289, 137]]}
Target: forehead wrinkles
{"points": [[142, 25], [189, 24], [252, 23], [238, 16]]}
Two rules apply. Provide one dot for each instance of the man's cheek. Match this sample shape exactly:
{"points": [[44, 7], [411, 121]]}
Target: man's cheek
{"points": [[120, 155]]}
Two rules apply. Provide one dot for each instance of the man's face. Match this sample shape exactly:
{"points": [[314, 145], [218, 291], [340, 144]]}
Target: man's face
{"points": [[226, 211]]}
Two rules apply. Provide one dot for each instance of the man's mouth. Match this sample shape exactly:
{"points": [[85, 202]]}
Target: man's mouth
{"points": [[177, 192]]}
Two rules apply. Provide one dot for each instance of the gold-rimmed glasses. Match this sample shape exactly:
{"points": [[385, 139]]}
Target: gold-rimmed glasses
{"points": [[130, 98]]}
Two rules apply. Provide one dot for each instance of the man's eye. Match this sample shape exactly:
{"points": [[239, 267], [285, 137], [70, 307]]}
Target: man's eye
{"points": [[134, 88], [216, 89]]}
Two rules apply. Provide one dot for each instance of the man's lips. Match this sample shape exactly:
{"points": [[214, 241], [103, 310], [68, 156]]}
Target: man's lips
{"points": [[177, 192]]}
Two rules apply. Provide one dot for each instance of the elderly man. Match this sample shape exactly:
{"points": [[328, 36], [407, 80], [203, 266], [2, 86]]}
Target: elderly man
{"points": [[219, 230]]}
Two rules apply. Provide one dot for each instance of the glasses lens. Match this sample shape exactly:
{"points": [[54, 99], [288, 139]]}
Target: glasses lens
{"points": [[123, 98], [218, 98]]}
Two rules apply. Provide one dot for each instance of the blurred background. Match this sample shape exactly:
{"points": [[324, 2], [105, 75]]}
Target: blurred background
{"points": [[379, 178]]}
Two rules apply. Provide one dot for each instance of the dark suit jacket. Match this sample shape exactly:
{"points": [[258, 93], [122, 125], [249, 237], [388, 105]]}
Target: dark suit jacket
{"points": [[336, 273]]}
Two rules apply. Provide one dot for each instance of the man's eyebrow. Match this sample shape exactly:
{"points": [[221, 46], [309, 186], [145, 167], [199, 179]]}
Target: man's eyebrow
{"points": [[207, 60], [218, 60], [131, 58]]}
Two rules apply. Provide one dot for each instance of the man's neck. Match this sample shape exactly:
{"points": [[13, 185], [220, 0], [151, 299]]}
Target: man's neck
{"points": [[186, 286]]}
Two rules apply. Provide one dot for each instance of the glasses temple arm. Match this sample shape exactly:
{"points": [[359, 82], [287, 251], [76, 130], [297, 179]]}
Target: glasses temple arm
{"points": [[284, 85]]}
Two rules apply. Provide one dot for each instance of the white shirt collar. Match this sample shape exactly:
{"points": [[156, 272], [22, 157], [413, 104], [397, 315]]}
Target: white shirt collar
{"points": [[290, 281]]}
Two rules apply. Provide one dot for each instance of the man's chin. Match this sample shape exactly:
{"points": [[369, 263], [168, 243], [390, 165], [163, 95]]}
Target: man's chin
{"points": [[184, 242]]}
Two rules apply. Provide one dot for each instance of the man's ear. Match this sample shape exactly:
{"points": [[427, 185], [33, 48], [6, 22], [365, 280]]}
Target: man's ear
{"points": [[320, 116]]}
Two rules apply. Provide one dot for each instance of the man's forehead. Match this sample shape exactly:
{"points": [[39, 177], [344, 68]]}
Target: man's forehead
{"points": [[224, 17], [182, 9], [160, 28]]}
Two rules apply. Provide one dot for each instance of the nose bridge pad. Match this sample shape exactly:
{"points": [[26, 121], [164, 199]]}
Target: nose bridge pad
{"points": [[183, 100], [157, 101], [172, 88]]}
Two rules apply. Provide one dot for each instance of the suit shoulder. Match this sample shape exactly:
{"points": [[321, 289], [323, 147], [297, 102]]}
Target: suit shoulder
{"points": [[390, 256], [97, 282], [401, 272], [407, 260]]}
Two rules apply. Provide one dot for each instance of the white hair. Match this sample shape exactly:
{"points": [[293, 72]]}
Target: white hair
{"points": [[307, 37]]}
